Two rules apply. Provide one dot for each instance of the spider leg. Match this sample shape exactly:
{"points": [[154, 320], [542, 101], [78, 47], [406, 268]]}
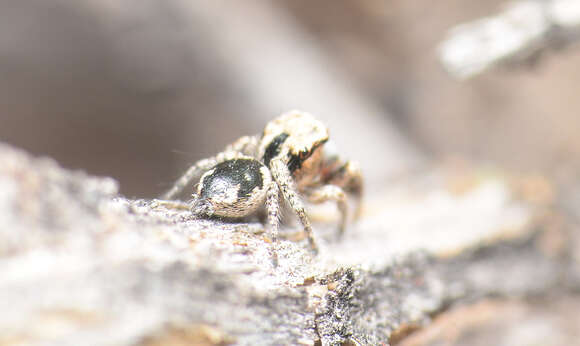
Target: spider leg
{"points": [[177, 205], [195, 205], [272, 207], [247, 145], [355, 185], [237, 149], [283, 177], [332, 193], [191, 173], [349, 177]]}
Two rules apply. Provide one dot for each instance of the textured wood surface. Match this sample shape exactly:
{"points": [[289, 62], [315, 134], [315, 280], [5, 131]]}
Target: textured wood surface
{"points": [[83, 266]]}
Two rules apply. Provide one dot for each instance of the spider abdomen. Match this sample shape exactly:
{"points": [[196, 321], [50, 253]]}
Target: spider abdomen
{"points": [[234, 188]]}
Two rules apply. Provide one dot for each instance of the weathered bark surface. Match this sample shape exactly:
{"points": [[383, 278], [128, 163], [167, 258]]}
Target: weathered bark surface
{"points": [[83, 266]]}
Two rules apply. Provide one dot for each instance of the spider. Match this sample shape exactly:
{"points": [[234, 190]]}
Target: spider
{"points": [[292, 157]]}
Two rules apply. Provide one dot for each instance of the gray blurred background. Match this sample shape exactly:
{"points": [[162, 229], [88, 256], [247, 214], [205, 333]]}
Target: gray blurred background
{"points": [[138, 90]]}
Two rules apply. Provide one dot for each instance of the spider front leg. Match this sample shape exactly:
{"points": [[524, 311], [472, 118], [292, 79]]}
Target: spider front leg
{"points": [[332, 193], [283, 178]]}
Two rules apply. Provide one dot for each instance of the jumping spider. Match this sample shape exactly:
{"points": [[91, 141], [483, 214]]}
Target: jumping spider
{"points": [[292, 156]]}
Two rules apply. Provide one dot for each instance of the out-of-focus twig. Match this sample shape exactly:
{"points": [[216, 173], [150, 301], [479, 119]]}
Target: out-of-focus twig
{"points": [[515, 35]]}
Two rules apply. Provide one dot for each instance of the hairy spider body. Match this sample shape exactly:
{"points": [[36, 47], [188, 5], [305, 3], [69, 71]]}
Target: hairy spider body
{"points": [[289, 159]]}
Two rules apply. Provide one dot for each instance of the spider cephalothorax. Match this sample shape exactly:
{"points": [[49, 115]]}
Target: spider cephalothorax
{"points": [[294, 140], [288, 160]]}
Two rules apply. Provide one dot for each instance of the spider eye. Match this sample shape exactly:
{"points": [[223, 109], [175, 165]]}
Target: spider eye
{"points": [[303, 155]]}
